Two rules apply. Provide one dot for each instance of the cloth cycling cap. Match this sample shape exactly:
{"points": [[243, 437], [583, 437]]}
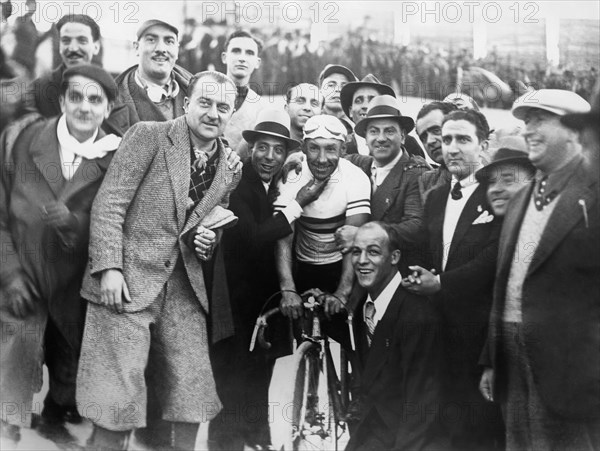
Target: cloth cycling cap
{"points": [[325, 126]]}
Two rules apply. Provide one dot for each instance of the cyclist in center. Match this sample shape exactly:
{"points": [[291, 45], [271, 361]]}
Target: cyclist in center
{"points": [[315, 261]]}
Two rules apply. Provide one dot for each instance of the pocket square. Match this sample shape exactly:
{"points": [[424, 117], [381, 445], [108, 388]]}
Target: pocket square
{"points": [[483, 218]]}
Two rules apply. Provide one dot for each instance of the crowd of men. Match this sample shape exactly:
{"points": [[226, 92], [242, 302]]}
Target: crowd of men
{"points": [[145, 221]]}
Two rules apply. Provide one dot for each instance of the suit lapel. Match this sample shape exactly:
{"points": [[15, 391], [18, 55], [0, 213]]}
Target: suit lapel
{"points": [[46, 155], [436, 206], [511, 227], [383, 198], [88, 173], [468, 215], [382, 338], [567, 213], [178, 165]]}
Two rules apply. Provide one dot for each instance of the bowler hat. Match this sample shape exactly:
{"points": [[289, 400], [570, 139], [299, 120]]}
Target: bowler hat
{"points": [[577, 121], [95, 73], [369, 81], [557, 101], [336, 69], [511, 150], [272, 122], [384, 107], [151, 23]]}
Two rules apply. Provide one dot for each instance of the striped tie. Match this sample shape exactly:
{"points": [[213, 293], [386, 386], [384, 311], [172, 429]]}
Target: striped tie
{"points": [[369, 314]]}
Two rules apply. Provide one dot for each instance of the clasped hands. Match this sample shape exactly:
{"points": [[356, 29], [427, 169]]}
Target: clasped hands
{"points": [[291, 304], [421, 281]]}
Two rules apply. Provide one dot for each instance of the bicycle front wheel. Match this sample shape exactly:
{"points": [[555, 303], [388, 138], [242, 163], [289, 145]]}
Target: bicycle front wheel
{"points": [[302, 416]]}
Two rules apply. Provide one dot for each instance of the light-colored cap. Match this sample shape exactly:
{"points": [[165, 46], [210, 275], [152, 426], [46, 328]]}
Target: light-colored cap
{"points": [[325, 126], [557, 101]]}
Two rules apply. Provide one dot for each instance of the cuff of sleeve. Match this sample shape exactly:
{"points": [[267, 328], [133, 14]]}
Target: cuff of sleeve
{"points": [[292, 212]]}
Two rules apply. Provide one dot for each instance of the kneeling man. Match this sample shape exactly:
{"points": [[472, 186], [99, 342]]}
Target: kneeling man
{"points": [[399, 351]]}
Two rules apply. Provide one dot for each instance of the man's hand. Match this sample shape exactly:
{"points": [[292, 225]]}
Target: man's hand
{"points": [[113, 290], [486, 384], [204, 243], [234, 161], [292, 163], [57, 215], [310, 192], [332, 303], [20, 297], [291, 305], [420, 281], [344, 236]]}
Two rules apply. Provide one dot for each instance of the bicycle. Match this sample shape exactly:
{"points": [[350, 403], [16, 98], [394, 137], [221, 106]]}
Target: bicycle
{"points": [[313, 406]]}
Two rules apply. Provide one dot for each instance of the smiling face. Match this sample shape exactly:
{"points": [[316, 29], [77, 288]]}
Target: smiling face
{"points": [[304, 103], [429, 129], [209, 108], [384, 138], [268, 156], [157, 50], [503, 183], [461, 148], [76, 44], [360, 103], [546, 139], [241, 58], [85, 107], [373, 261], [323, 156]]}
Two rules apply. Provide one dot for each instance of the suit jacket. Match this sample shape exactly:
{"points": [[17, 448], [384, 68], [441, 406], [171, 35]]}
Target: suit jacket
{"points": [[561, 299], [43, 97], [53, 259], [467, 282], [400, 373], [249, 249], [139, 221]]}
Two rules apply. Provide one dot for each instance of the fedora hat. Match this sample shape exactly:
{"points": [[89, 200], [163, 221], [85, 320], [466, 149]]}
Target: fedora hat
{"points": [[384, 107], [369, 81], [577, 121], [557, 101], [272, 122], [511, 150]]}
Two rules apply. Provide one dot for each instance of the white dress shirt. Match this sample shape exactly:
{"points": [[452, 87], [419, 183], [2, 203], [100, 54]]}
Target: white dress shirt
{"points": [[454, 208], [381, 172], [384, 298]]}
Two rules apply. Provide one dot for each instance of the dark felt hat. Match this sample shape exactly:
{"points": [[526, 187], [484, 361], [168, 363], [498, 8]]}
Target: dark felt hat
{"points": [[369, 81], [95, 73], [511, 150], [272, 122]]}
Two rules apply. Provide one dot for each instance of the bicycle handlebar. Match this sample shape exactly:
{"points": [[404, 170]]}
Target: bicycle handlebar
{"points": [[259, 329]]}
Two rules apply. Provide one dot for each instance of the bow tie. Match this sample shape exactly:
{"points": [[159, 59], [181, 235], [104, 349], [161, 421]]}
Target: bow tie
{"points": [[456, 192]]}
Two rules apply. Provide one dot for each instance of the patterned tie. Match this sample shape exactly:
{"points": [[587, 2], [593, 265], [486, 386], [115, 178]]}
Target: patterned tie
{"points": [[456, 192], [369, 315], [374, 178]]}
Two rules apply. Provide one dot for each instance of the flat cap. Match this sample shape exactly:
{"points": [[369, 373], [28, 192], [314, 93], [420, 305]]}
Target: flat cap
{"points": [[151, 23], [336, 69], [557, 101], [95, 73]]}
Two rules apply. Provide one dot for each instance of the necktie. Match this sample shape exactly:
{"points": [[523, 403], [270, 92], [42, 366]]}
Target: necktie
{"points": [[242, 92], [374, 178], [540, 196], [456, 192], [369, 315]]}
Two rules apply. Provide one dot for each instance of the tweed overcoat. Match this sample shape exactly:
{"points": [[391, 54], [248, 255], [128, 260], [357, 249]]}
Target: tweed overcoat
{"points": [[139, 216]]}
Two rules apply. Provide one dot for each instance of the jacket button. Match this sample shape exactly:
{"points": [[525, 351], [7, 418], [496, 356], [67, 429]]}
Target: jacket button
{"points": [[168, 263]]}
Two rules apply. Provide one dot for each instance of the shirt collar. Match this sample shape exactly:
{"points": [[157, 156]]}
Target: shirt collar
{"points": [[391, 164], [158, 93], [383, 300], [556, 181]]}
